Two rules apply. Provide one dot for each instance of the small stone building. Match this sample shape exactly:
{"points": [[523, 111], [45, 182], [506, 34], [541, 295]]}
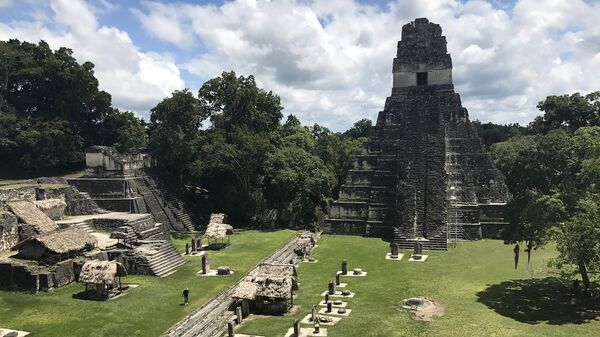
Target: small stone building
{"points": [[56, 246], [53, 208], [269, 291], [106, 161], [104, 275]]}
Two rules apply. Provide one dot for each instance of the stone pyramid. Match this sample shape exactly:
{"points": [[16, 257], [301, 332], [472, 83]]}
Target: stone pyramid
{"points": [[424, 173]]}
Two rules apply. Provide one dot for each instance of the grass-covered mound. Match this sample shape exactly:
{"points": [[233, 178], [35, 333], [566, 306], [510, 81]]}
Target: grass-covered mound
{"points": [[147, 310], [482, 293]]}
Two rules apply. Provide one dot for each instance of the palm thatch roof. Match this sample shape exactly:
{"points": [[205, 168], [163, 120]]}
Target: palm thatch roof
{"points": [[270, 280], [48, 204], [218, 230], [217, 218], [28, 213], [277, 270], [246, 290], [273, 287], [62, 241], [101, 272]]}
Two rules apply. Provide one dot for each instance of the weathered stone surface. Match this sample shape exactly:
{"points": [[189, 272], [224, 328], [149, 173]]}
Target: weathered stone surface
{"points": [[223, 270], [424, 169], [9, 231]]}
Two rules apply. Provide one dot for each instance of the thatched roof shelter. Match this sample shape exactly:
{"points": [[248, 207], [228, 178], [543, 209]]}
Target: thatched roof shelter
{"points": [[274, 281], [246, 290], [28, 213], [61, 241], [218, 230], [48, 204], [101, 272], [305, 242], [274, 287], [277, 270], [217, 218]]}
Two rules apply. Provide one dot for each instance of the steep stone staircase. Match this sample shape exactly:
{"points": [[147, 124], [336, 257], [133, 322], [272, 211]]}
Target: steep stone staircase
{"points": [[83, 225], [173, 207], [164, 259]]}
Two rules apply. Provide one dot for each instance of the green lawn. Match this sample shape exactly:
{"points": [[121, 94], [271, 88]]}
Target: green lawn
{"points": [[476, 282], [145, 311]]}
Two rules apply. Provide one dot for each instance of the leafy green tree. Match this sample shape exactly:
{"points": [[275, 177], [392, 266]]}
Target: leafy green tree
{"points": [[234, 101], [568, 111], [338, 152], [47, 144], [174, 128], [360, 129], [553, 178], [492, 133], [124, 131], [578, 240]]}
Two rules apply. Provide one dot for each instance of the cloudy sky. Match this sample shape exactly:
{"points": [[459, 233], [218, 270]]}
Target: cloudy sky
{"points": [[329, 60]]}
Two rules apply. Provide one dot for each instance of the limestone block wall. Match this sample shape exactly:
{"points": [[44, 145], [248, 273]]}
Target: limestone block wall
{"points": [[17, 193], [9, 231]]}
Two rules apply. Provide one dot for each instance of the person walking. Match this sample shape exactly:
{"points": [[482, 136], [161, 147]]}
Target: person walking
{"points": [[186, 296]]}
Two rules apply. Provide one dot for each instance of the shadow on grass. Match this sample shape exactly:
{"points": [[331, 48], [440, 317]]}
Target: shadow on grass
{"points": [[536, 301]]}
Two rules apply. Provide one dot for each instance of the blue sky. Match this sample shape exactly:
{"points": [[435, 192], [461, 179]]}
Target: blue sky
{"points": [[329, 60]]}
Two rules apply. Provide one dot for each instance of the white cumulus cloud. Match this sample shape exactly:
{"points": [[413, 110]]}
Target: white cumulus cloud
{"points": [[136, 80], [330, 60]]}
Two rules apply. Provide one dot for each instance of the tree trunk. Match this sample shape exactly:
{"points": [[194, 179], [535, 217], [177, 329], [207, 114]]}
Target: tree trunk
{"points": [[584, 275]]}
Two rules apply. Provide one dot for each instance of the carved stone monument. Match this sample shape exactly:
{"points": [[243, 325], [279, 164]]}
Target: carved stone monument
{"points": [[331, 289], [296, 328], [205, 264], [238, 315], [230, 332], [344, 267], [394, 250]]}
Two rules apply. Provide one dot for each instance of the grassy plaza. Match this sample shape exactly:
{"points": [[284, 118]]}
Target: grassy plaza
{"points": [[476, 282], [147, 310]]}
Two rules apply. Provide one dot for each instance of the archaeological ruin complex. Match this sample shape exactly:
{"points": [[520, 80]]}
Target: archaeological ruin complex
{"points": [[423, 173]]}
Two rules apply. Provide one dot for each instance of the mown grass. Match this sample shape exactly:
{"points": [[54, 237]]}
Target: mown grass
{"points": [[482, 293], [147, 310]]}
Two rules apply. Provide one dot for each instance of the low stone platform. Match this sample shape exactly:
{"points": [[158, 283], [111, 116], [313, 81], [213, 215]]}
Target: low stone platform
{"points": [[307, 332], [351, 274], [423, 258], [323, 311], [338, 294], [334, 320], [213, 272], [343, 305], [195, 254], [388, 256], [4, 332]]}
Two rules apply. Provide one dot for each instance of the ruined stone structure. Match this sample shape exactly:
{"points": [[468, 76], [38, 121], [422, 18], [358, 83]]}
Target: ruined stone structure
{"points": [[424, 172], [121, 182]]}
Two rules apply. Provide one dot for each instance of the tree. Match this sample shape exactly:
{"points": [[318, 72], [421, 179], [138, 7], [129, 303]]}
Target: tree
{"points": [[492, 133], [360, 129], [568, 111], [174, 129], [235, 101], [124, 131], [578, 240], [47, 144], [553, 178]]}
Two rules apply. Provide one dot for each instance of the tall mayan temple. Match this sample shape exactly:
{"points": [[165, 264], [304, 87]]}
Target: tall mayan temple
{"points": [[424, 173]]}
